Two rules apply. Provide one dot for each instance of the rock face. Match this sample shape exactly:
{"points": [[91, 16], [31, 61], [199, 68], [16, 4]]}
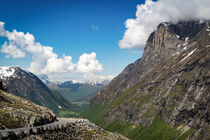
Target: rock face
{"points": [[27, 85], [16, 112], [171, 81], [1, 86]]}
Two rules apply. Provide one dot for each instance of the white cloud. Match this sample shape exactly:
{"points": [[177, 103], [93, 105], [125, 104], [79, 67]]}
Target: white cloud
{"points": [[77, 77], [94, 27], [91, 76], [150, 14], [45, 60], [12, 51], [88, 63]]}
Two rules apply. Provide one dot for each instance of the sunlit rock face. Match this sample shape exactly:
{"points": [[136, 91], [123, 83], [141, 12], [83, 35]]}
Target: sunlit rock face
{"points": [[171, 81]]}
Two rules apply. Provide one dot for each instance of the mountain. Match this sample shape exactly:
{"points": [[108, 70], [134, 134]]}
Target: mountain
{"points": [[27, 85], [76, 91], [164, 94], [16, 112], [22, 119]]}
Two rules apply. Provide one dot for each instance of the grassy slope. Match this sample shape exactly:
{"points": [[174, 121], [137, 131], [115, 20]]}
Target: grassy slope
{"points": [[158, 130], [95, 113]]}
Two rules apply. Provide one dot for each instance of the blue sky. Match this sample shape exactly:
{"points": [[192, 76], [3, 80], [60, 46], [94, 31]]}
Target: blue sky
{"points": [[73, 27]]}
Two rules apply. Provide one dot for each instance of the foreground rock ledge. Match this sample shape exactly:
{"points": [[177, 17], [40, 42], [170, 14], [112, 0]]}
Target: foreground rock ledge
{"points": [[63, 129], [16, 112]]}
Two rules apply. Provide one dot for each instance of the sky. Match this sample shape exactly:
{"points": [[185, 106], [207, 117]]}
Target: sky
{"points": [[72, 27], [85, 39]]}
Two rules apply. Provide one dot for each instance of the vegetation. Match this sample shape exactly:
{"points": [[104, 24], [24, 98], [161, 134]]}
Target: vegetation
{"points": [[9, 122], [123, 96], [78, 100], [66, 114], [157, 131], [73, 111], [68, 109], [96, 113]]}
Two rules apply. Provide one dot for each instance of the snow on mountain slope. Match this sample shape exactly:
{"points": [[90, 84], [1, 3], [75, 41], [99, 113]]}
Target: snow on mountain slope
{"points": [[6, 72]]}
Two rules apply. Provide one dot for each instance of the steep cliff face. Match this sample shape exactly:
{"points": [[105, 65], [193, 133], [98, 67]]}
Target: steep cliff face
{"points": [[168, 40], [16, 112], [27, 85], [169, 84]]}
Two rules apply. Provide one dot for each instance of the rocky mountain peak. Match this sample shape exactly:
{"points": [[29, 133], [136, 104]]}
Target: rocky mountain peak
{"points": [[171, 81], [169, 39], [7, 71], [187, 29]]}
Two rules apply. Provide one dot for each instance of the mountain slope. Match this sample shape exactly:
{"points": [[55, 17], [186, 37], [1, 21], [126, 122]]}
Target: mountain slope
{"points": [[165, 94], [16, 112], [28, 86]]}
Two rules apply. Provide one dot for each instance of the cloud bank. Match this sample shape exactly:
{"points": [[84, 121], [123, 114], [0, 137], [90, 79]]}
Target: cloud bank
{"points": [[44, 59], [151, 14], [91, 76]]}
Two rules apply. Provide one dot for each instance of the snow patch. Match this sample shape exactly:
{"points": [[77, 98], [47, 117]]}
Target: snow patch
{"points": [[179, 45], [165, 24], [183, 129], [187, 38], [6, 72], [184, 44], [189, 54], [177, 36], [59, 107], [185, 48], [177, 53]]}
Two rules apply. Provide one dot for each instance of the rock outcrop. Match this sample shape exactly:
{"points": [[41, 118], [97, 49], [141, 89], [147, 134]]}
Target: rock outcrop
{"points": [[64, 129], [16, 112], [170, 82]]}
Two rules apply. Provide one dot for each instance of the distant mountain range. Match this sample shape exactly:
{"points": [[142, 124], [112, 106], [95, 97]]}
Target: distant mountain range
{"points": [[75, 91], [68, 84], [27, 85]]}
